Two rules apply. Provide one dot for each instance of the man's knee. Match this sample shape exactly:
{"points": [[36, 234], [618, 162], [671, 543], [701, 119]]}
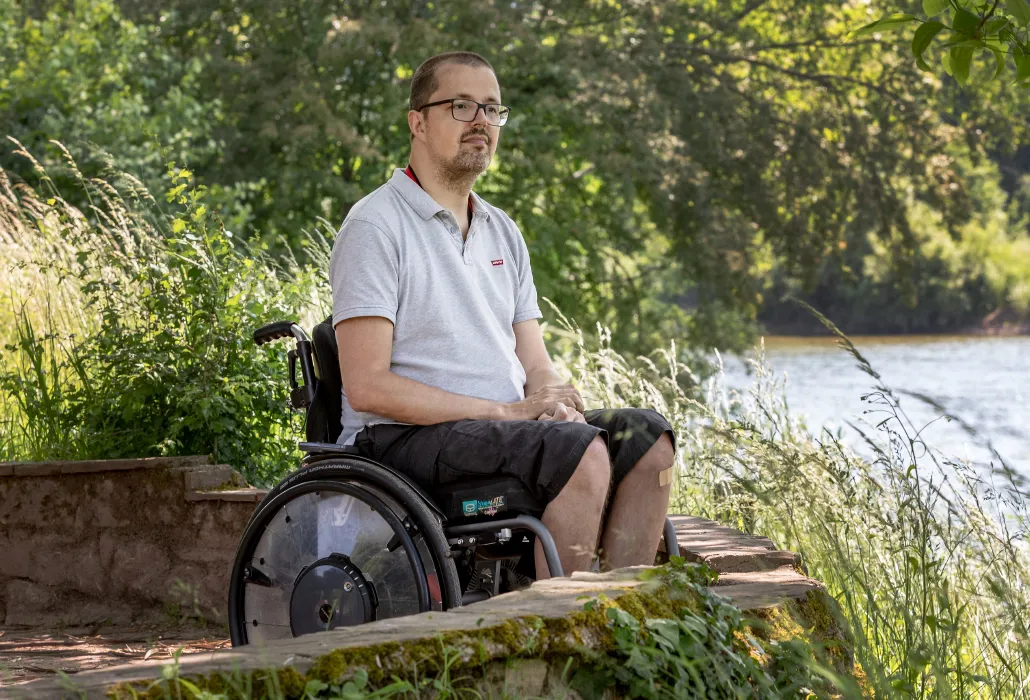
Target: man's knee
{"points": [[658, 460], [662, 452], [594, 472]]}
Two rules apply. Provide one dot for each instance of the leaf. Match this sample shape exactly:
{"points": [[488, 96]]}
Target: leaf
{"points": [[946, 62], [994, 25], [999, 59], [961, 58], [178, 225], [885, 24], [150, 652], [932, 8], [923, 65], [924, 36], [965, 22], [1022, 67], [1020, 11]]}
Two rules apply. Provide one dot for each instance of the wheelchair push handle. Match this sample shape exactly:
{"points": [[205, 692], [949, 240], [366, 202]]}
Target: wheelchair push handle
{"points": [[301, 395], [277, 330]]}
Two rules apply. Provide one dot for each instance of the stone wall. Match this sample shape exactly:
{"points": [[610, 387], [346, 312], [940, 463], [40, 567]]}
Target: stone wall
{"points": [[118, 541]]}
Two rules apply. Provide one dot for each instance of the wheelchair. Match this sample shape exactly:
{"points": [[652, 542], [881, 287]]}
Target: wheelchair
{"points": [[346, 540]]}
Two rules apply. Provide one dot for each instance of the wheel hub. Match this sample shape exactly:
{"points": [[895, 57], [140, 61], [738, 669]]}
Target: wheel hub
{"points": [[331, 593]]}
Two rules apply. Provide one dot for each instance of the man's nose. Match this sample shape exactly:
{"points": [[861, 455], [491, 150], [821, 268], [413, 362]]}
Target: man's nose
{"points": [[480, 117]]}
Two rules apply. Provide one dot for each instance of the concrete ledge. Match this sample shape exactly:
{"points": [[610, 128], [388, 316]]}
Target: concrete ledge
{"points": [[247, 495], [98, 465]]}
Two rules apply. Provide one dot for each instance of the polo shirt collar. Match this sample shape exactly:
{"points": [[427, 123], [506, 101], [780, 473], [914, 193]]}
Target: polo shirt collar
{"points": [[424, 205]]}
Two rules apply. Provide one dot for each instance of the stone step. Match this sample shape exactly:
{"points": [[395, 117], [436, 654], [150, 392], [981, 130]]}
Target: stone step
{"points": [[725, 549], [496, 628]]}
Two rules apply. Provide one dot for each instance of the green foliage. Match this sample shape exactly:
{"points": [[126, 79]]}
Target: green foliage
{"points": [[164, 362], [992, 30], [706, 652], [83, 74], [664, 161]]}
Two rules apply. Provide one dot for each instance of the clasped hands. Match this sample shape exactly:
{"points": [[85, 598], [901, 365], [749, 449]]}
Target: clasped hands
{"points": [[558, 403]]}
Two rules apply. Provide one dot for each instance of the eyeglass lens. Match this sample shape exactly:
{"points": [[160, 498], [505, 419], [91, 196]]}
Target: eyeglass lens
{"points": [[465, 110]]}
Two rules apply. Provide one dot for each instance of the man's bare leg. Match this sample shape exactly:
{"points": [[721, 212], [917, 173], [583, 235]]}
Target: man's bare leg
{"points": [[638, 511], [574, 516]]}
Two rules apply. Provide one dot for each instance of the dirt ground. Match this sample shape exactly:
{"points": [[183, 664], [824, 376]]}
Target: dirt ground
{"points": [[27, 655]]}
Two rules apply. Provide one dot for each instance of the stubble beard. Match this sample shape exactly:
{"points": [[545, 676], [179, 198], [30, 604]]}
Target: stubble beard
{"points": [[460, 172]]}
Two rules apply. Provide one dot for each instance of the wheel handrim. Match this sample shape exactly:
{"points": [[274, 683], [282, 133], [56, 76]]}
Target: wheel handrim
{"points": [[305, 526]]}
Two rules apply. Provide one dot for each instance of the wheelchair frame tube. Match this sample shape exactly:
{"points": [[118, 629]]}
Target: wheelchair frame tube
{"points": [[519, 522], [672, 545]]}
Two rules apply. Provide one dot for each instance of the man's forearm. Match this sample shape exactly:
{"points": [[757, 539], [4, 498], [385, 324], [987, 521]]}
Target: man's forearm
{"points": [[542, 376], [410, 401]]}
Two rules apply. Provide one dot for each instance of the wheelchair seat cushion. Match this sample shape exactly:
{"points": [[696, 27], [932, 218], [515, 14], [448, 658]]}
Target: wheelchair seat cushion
{"points": [[478, 499]]}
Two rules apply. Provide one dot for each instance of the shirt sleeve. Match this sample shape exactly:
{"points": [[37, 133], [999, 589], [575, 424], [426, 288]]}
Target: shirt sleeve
{"points": [[526, 305], [364, 272]]}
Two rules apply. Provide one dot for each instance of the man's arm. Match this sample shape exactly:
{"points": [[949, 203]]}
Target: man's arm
{"points": [[532, 353], [366, 343]]}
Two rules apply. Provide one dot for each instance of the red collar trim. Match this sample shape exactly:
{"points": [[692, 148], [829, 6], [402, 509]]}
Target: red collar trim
{"points": [[410, 172]]}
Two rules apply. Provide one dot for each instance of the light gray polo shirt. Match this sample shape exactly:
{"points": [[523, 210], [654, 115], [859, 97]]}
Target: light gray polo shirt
{"points": [[400, 255]]}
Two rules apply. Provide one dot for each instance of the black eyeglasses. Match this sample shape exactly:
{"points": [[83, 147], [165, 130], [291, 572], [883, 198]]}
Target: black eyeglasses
{"points": [[466, 110]]}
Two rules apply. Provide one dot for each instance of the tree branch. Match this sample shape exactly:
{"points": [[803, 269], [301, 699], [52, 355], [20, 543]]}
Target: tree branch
{"points": [[820, 78]]}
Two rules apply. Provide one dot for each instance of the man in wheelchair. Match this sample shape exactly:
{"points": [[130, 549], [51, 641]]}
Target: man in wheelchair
{"points": [[445, 373], [446, 462]]}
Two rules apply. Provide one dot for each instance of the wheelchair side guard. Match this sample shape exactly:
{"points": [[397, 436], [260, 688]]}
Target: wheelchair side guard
{"points": [[321, 451]]}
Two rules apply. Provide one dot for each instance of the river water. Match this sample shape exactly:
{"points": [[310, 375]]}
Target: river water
{"points": [[984, 381]]}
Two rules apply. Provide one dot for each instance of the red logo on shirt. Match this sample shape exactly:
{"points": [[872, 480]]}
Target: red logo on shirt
{"points": [[495, 263]]}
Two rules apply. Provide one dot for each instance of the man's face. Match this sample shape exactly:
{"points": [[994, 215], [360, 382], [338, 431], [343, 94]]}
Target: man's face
{"points": [[462, 149]]}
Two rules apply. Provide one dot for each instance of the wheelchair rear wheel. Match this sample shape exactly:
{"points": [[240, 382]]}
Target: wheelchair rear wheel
{"points": [[336, 544]]}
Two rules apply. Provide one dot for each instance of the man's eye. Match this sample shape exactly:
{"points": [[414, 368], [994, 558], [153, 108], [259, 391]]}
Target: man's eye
{"points": [[461, 104], [492, 110]]}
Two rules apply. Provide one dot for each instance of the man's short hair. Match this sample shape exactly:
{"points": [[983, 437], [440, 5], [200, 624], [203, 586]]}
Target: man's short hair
{"points": [[424, 84]]}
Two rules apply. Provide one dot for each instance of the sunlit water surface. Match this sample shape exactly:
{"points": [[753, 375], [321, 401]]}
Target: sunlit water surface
{"points": [[985, 381]]}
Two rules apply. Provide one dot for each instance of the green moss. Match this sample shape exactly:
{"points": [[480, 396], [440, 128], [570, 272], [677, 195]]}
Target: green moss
{"points": [[580, 635], [815, 619]]}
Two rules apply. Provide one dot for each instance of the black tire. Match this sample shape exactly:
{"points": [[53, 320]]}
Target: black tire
{"points": [[363, 472]]}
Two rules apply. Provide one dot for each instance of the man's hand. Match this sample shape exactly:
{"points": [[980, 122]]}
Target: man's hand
{"points": [[561, 412], [545, 399]]}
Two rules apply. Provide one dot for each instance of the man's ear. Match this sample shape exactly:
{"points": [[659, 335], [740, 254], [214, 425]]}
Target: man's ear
{"points": [[416, 123]]}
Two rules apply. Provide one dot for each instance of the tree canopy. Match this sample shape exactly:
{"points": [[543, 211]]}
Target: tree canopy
{"points": [[676, 167]]}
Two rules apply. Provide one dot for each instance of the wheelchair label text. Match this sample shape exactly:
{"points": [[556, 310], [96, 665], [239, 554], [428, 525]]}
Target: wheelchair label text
{"points": [[482, 507]]}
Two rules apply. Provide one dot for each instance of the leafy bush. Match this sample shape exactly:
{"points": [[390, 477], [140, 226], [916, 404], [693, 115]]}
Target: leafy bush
{"points": [[163, 362]]}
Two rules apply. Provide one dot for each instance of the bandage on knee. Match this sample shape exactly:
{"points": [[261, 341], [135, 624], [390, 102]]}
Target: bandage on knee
{"points": [[665, 477]]}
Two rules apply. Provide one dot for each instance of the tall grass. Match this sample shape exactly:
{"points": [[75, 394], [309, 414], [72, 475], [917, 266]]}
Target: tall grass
{"points": [[927, 555], [127, 326], [126, 331]]}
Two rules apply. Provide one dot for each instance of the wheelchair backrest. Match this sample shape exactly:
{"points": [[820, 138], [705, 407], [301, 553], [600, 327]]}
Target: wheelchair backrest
{"points": [[326, 410]]}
